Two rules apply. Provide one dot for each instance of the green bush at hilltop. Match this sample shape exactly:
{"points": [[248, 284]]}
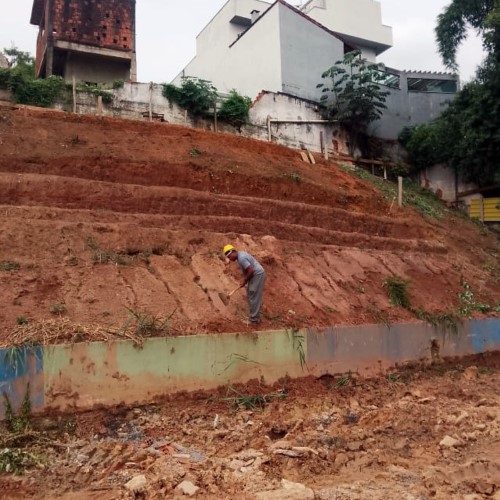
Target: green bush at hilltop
{"points": [[20, 79]]}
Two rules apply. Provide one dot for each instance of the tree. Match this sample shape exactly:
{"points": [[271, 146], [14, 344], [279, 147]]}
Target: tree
{"points": [[353, 98], [19, 58], [451, 30], [467, 135]]}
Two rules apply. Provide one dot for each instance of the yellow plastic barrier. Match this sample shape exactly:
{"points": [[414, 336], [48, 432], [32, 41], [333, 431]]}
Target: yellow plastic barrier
{"points": [[486, 209]]}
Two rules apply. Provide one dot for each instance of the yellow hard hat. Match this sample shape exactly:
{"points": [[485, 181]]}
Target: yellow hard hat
{"points": [[228, 249]]}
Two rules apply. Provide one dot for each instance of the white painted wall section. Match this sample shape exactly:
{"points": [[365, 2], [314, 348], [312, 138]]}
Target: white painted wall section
{"points": [[360, 21], [213, 42], [306, 52]]}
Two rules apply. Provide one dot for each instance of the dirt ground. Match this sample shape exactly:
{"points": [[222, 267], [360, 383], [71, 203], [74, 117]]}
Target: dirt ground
{"points": [[103, 216], [419, 432]]}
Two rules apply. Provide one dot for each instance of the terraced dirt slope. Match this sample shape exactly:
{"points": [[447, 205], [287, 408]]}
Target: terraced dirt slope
{"points": [[101, 215]]}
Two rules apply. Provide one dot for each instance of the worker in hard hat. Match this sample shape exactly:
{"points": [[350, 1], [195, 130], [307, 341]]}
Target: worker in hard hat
{"points": [[254, 278]]}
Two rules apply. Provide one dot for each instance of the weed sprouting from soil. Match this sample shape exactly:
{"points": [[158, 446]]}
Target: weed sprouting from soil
{"points": [[21, 422], [294, 177], [100, 256], [379, 316], [468, 302], [344, 380], [446, 321], [298, 345], [13, 459], [235, 358], [144, 324], [397, 291], [15, 358], [58, 309], [252, 402], [493, 269], [122, 257], [9, 266], [22, 320]]}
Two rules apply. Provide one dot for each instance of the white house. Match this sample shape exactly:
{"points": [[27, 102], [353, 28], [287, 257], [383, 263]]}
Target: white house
{"points": [[252, 46]]}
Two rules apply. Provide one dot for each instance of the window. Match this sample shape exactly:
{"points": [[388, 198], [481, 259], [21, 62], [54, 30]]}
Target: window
{"points": [[432, 85]]}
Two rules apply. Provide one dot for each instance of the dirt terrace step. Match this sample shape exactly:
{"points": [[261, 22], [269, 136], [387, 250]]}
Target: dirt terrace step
{"points": [[61, 192], [84, 220]]}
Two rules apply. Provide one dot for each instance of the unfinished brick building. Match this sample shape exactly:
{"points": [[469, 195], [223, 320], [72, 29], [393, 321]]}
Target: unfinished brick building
{"points": [[91, 40]]}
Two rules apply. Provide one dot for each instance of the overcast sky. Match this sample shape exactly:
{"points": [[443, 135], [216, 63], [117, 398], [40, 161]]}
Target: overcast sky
{"points": [[167, 29]]}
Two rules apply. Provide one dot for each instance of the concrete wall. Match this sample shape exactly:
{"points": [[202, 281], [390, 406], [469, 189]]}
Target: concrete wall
{"points": [[441, 180], [95, 68], [297, 135], [89, 374], [132, 102], [409, 108], [299, 39]]}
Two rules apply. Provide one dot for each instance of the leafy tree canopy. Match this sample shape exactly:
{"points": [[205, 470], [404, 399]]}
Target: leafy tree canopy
{"points": [[451, 30], [352, 95], [467, 135]]}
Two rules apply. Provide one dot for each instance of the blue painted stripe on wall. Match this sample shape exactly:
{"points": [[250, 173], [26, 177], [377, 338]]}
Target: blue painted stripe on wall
{"points": [[17, 370], [15, 365], [485, 335]]}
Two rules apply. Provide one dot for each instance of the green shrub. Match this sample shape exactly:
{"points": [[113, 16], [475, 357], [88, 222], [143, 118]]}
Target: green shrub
{"points": [[195, 95], [26, 89], [397, 291], [235, 108]]}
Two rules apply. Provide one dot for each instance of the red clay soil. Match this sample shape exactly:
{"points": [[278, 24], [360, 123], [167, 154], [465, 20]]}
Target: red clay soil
{"points": [[100, 215], [421, 432]]}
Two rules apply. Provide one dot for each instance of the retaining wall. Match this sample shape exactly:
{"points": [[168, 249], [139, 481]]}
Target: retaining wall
{"points": [[107, 373]]}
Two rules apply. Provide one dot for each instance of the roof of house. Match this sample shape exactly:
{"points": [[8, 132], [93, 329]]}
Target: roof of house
{"points": [[37, 12], [305, 16]]}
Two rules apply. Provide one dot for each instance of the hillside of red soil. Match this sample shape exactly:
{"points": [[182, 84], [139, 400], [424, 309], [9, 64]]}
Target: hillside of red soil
{"points": [[100, 215]]}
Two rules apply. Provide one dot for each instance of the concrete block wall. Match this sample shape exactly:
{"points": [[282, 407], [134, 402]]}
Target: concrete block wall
{"points": [[82, 376]]}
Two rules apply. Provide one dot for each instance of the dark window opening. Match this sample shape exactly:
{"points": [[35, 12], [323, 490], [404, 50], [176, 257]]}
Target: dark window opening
{"points": [[104, 35], [124, 38], [98, 38], [118, 21], [432, 85], [74, 30], [115, 40], [107, 15]]}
